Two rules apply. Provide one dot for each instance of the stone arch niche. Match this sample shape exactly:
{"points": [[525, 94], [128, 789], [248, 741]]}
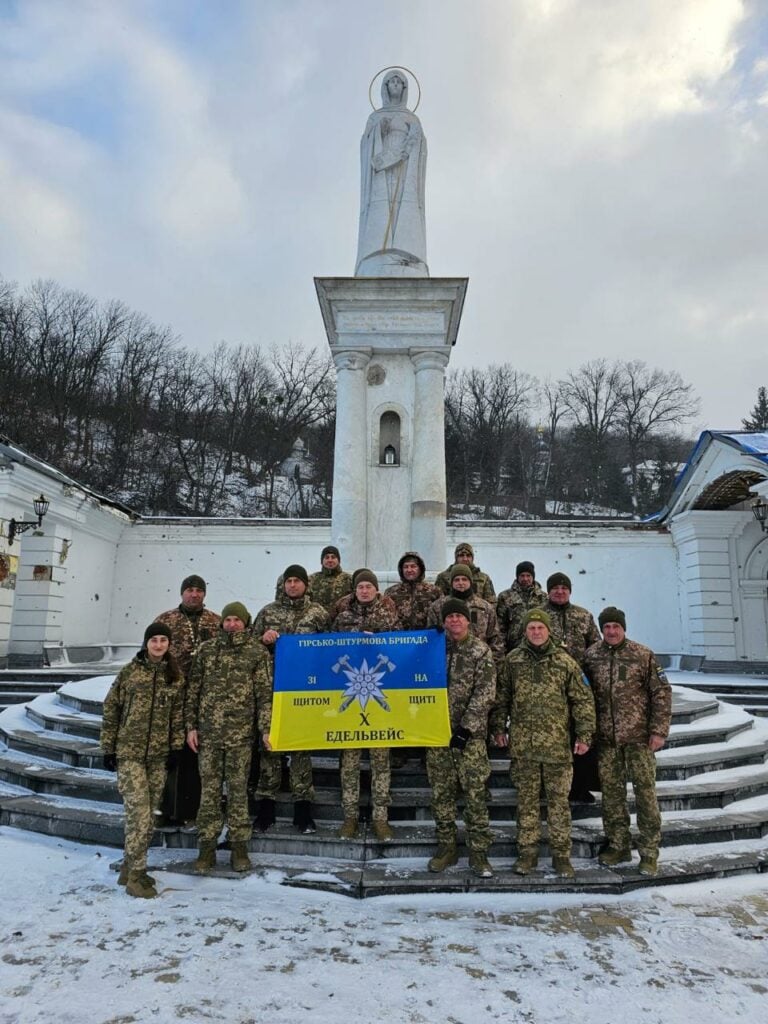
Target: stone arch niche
{"points": [[753, 594], [390, 439]]}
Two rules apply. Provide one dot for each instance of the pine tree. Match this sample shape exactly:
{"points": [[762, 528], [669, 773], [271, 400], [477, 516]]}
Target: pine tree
{"points": [[759, 414]]}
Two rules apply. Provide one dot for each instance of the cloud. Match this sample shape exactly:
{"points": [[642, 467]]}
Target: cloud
{"points": [[596, 168]]}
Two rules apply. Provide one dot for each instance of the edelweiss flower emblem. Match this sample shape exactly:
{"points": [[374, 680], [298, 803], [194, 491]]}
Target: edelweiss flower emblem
{"points": [[363, 684]]}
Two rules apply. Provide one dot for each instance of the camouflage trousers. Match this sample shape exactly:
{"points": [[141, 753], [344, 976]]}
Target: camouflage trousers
{"points": [[299, 774], [633, 763], [350, 782], [528, 775], [447, 771], [141, 786], [228, 765]]}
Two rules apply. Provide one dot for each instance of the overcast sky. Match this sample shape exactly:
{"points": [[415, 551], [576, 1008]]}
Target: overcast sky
{"points": [[597, 168]]}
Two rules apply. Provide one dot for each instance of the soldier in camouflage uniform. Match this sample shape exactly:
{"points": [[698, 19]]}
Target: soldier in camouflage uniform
{"points": [[331, 583], [482, 615], [464, 554], [191, 624], [540, 691], [294, 613], [142, 729], [513, 605], [327, 586], [230, 690], [367, 613], [576, 630], [413, 595], [346, 602], [471, 677], [634, 708]]}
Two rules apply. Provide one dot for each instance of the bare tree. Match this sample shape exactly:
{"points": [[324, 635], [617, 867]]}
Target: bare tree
{"points": [[650, 401]]}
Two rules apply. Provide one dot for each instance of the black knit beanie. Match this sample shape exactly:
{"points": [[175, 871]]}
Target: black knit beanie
{"points": [[297, 571], [193, 581], [454, 605], [611, 614]]}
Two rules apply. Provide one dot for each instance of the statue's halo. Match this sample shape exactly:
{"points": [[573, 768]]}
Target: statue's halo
{"points": [[394, 67]]}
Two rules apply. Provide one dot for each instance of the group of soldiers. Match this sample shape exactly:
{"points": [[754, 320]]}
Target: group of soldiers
{"points": [[527, 671]]}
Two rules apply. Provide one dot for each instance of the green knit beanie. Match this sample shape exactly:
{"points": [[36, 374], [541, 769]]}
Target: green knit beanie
{"points": [[238, 609]]}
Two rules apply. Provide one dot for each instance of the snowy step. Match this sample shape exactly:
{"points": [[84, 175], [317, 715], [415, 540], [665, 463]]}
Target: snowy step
{"points": [[54, 717], [55, 779]]}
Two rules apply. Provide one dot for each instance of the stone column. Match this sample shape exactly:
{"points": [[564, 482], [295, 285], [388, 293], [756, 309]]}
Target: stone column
{"points": [[39, 602], [350, 463], [428, 506]]}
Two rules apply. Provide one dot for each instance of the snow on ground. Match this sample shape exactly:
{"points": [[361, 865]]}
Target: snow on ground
{"points": [[75, 948]]}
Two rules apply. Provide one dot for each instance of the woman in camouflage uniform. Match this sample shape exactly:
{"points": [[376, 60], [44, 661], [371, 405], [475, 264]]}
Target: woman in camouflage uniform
{"points": [[142, 733]]}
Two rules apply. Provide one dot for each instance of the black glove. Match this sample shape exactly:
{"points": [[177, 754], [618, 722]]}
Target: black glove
{"points": [[110, 762], [459, 739], [173, 759]]}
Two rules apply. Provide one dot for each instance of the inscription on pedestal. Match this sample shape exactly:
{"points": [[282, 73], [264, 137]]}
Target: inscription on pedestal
{"points": [[387, 322]]}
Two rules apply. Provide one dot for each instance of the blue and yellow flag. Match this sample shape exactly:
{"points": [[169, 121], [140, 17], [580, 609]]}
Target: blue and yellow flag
{"points": [[337, 690]]}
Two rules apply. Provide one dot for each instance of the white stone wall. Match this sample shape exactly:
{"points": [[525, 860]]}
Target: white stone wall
{"points": [[632, 568], [238, 560]]}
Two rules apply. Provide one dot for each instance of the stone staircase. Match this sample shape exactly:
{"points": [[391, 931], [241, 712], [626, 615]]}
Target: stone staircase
{"points": [[712, 787]]}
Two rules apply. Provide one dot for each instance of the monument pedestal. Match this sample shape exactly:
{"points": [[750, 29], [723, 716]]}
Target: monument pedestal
{"points": [[391, 340]]}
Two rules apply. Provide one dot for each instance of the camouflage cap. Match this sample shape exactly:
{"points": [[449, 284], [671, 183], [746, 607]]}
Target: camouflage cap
{"points": [[238, 609], [538, 615], [611, 614], [464, 549]]}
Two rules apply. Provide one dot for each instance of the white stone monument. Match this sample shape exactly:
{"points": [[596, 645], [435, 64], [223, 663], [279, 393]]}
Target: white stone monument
{"points": [[391, 329]]}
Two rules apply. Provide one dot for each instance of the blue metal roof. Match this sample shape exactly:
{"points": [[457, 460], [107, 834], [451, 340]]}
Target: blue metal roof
{"points": [[753, 444]]}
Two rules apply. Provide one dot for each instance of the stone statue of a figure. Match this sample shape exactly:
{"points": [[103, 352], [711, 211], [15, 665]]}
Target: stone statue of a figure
{"points": [[393, 157]]}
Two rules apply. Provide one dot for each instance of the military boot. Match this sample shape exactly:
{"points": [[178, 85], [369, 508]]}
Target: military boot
{"points": [[125, 870], [562, 865], [478, 865], [206, 859], [382, 830], [446, 856], [349, 829], [138, 885], [239, 859], [302, 817], [610, 857], [265, 814], [528, 858], [649, 864]]}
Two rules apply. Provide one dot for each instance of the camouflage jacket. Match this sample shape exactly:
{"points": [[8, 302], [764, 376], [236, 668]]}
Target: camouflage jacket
{"points": [[413, 601], [143, 712], [482, 622], [631, 691], [540, 691], [471, 684], [511, 608], [573, 627], [291, 615], [328, 585], [482, 581], [377, 616], [345, 603], [230, 685], [188, 631]]}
